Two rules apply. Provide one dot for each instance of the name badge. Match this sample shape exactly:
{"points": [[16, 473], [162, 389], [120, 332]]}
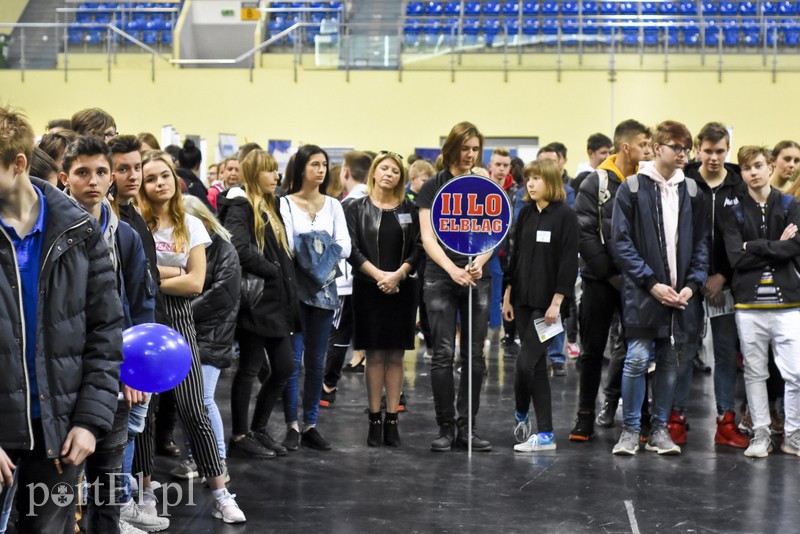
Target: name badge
{"points": [[542, 236], [404, 218]]}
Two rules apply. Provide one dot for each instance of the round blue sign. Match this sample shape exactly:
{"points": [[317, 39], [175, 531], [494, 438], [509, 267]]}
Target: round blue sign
{"points": [[471, 215]]}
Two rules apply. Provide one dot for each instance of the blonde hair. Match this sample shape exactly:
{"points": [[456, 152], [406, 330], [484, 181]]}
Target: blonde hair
{"points": [[548, 171], [262, 202], [194, 206], [399, 191], [175, 208], [421, 167]]}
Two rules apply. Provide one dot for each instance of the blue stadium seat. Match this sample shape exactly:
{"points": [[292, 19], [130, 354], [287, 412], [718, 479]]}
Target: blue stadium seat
{"points": [[530, 8], [671, 32], [709, 7], [336, 5], [569, 31], [450, 30], [413, 9], [411, 31], [156, 24], [83, 18], [730, 32], [589, 8], [134, 25], [727, 8], [472, 8], [748, 9], [630, 34], [568, 7], [433, 9], [431, 29], [712, 33], [769, 8], [75, 36], [94, 37], [491, 8], [452, 8], [649, 8], [90, 5], [628, 8], [751, 32], [530, 27], [150, 37], [512, 27], [590, 26], [471, 29], [687, 7], [609, 8], [650, 35], [791, 33], [550, 8], [668, 8], [690, 32], [511, 9], [491, 28], [550, 30], [787, 8]]}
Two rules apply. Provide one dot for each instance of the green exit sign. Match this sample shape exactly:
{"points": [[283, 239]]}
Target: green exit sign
{"points": [[227, 12]]}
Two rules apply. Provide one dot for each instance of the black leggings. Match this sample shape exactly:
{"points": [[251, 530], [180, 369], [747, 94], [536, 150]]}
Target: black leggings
{"points": [[530, 381], [254, 351]]}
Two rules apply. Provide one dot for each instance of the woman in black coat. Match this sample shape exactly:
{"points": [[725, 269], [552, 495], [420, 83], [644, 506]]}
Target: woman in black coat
{"points": [[215, 311], [265, 324], [384, 232]]}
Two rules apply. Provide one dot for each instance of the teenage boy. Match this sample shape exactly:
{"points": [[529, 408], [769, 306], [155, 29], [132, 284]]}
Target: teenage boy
{"points": [[87, 178], [58, 295], [94, 121], [601, 278], [658, 240], [763, 247], [598, 148], [354, 180], [449, 277], [499, 167], [722, 186]]}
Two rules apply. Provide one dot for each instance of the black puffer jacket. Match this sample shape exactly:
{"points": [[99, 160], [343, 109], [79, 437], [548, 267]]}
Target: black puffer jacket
{"points": [[79, 331], [594, 221], [277, 313], [217, 307]]}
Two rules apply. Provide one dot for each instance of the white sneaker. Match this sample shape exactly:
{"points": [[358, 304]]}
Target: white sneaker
{"points": [[225, 508], [148, 501], [542, 441], [137, 518], [761, 444], [125, 528]]}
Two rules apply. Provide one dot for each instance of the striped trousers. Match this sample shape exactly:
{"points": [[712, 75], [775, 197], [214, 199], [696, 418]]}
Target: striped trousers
{"points": [[189, 401]]}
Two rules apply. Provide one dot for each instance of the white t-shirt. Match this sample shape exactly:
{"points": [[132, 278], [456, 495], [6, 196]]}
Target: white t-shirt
{"points": [[329, 219], [167, 252]]}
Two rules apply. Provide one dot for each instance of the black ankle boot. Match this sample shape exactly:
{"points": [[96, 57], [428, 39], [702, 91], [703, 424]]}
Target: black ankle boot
{"points": [[375, 429], [447, 435], [391, 435]]}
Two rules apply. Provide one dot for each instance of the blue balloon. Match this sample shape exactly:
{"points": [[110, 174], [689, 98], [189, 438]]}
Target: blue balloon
{"points": [[156, 358]]}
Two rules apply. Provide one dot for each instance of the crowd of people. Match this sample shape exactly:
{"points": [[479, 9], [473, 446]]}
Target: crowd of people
{"points": [[278, 273]]}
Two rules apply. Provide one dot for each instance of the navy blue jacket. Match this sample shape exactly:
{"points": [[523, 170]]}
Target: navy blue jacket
{"points": [[639, 250]]}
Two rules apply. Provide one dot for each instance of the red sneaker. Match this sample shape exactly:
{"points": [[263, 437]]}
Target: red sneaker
{"points": [[677, 428], [728, 434]]}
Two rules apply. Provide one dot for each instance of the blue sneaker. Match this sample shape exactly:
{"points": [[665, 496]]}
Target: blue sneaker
{"points": [[522, 430], [543, 441]]}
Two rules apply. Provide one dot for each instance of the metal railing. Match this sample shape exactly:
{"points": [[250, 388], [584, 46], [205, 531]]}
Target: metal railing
{"points": [[508, 51]]}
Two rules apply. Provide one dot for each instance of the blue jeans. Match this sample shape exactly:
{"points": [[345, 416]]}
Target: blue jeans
{"points": [[723, 329], [310, 346], [136, 421], [669, 362], [556, 350], [210, 378]]}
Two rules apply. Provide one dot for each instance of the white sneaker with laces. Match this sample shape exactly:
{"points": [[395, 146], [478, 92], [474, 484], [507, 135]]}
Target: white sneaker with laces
{"points": [[225, 508], [137, 517], [126, 528]]}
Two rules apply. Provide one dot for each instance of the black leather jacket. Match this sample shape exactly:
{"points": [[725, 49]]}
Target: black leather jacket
{"points": [[78, 331], [364, 220]]}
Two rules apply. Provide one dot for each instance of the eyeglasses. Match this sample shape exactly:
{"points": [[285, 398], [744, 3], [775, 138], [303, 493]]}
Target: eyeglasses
{"points": [[680, 149], [387, 153], [109, 135]]}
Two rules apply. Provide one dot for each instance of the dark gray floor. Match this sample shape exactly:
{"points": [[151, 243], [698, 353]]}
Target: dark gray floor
{"points": [[580, 487]]}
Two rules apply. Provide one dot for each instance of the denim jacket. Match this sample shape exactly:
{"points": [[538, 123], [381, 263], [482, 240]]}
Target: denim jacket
{"points": [[317, 260]]}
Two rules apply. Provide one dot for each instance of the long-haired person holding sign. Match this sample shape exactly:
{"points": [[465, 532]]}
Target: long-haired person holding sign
{"points": [[449, 277], [541, 278], [384, 232]]}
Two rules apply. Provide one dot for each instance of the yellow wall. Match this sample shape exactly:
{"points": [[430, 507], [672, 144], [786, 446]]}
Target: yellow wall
{"points": [[10, 11], [375, 111]]}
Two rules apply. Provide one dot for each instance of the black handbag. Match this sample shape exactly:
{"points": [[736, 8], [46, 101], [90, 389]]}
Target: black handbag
{"points": [[252, 290]]}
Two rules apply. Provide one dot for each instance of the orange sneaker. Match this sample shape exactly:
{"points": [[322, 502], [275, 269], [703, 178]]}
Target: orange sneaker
{"points": [[728, 434], [677, 428]]}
